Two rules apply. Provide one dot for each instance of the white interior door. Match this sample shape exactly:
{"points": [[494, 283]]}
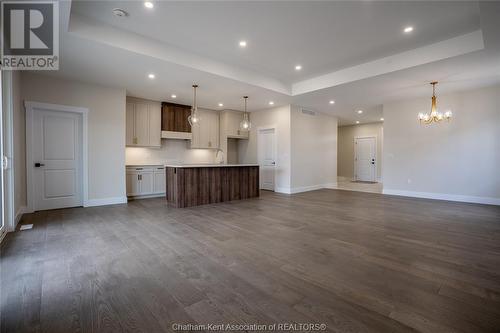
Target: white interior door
{"points": [[364, 159], [56, 150], [267, 158]]}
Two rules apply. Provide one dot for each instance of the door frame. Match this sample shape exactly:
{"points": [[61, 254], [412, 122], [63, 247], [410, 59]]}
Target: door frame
{"points": [[275, 149], [354, 174], [32, 107], [8, 145]]}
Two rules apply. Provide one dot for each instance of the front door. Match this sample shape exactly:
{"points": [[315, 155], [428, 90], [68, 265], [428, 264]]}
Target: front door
{"points": [[57, 159], [364, 159], [267, 158]]}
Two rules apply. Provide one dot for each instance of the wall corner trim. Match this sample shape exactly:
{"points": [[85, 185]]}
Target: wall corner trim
{"points": [[300, 189], [105, 201], [444, 196]]}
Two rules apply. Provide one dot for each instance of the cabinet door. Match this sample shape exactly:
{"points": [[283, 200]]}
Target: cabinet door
{"points": [[132, 181], [154, 124], [213, 135], [130, 124], [160, 185], [142, 124], [146, 179]]}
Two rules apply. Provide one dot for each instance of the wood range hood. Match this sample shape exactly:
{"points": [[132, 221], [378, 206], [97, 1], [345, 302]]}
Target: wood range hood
{"points": [[174, 121]]}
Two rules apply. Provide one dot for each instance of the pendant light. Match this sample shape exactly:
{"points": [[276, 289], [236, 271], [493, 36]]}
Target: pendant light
{"points": [[434, 115], [194, 118], [245, 124]]}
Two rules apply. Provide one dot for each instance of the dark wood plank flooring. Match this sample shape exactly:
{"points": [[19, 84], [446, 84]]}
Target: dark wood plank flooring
{"points": [[357, 262]]}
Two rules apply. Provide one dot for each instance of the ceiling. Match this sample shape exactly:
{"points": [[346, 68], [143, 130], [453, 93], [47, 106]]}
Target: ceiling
{"points": [[355, 53]]}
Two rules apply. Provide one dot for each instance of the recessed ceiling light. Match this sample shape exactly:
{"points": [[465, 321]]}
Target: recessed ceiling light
{"points": [[119, 12], [148, 4], [151, 76], [359, 111], [298, 67], [220, 104], [381, 119], [173, 96], [271, 103], [243, 43], [332, 102], [408, 29], [357, 121]]}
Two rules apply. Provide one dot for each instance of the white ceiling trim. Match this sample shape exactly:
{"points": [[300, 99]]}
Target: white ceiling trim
{"points": [[86, 28], [442, 50]]}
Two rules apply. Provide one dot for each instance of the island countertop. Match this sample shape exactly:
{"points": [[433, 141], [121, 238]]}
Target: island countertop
{"points": [[208, 165]]}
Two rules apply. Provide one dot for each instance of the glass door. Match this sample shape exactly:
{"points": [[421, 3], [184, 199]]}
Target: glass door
{"points": [[2, 205]]}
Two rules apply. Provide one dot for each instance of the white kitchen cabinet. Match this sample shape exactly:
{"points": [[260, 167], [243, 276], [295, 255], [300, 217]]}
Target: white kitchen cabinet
{"points": [[145, 181], [143, 123], [206, 134], [230, 124]]}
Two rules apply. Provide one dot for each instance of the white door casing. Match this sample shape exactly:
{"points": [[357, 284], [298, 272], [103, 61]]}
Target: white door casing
{"points": [[365, 152], [266, 148], [56, 156]]}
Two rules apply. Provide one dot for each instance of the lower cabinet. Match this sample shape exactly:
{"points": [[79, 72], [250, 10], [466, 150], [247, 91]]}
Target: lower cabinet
{"points": [[147, 181]]}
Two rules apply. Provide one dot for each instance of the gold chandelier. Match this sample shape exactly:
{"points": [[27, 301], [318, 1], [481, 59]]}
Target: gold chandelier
{"points": [[434, 115]]}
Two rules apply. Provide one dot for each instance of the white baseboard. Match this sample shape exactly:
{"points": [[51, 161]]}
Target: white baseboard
{"points": [[443, 196], [138, 197], [19, 214], [105, 201], [300, 189]]}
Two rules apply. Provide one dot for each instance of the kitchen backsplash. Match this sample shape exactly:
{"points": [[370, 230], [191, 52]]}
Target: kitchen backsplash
{"points": [[171, 151]]}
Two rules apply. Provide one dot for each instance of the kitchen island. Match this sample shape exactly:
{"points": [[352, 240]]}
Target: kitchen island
{"points": [[200, 184]]}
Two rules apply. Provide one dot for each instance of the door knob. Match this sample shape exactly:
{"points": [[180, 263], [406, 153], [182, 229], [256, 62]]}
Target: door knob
{"points": [[37, 165]]}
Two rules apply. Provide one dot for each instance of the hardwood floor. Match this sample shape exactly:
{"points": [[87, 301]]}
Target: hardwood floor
{"points": [[357, 262]]}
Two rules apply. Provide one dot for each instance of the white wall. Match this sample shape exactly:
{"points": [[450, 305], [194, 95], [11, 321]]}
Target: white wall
{"points": [[457, 160], [346, 147], [106, 130], [279, 118], [307, 147], [313, 150]]}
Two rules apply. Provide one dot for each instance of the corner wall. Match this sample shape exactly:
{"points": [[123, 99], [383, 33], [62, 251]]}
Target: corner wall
{"points": [[456, 160], [106, 129]]}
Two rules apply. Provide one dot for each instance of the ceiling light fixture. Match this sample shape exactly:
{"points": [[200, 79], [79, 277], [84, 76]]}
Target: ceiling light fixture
{"points": [[151, 76], [408, 29], [434, 115], [357, 121], [243, 43], [245, 124], [332, 102], [298, 67], [271, 103], [194, 118], [381, 119], [148, 4], [220, 104], [173, 96], [359, 111], [119, 12]]}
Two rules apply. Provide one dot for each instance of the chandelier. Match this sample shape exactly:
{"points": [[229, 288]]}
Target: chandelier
{"points": [[434, 115], [245, 124], [194, 118]]}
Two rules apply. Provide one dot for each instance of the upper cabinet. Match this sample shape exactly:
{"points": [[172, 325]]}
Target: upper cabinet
{"points": [[230, 125], [143, 123], [206, 133], [174, 121]]}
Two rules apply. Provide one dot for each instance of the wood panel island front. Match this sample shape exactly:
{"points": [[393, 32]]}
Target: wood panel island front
{"points": [[201, 184]]}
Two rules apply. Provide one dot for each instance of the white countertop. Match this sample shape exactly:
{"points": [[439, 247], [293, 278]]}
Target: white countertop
{"points": [[208, 165]]}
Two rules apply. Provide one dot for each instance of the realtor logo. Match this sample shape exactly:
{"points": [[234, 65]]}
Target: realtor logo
{"points": [[30, 35]]}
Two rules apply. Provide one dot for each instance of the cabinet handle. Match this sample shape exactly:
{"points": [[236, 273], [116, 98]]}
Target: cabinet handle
{"points": [[139, 177], [134, 141]]}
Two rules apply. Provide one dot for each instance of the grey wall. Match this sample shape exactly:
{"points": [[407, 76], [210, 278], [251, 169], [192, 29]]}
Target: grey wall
{"points": [[345, 161], [458, 160]]}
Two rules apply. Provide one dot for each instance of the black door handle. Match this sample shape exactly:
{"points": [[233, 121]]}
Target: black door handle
{"points": [[37, 165]]}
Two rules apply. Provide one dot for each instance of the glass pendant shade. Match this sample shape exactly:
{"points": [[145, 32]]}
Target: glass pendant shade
{"points": [[245, 124], [194, 119], [434, 115]]}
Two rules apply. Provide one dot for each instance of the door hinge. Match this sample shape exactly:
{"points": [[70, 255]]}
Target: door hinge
{"points": [[5, 162]]}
